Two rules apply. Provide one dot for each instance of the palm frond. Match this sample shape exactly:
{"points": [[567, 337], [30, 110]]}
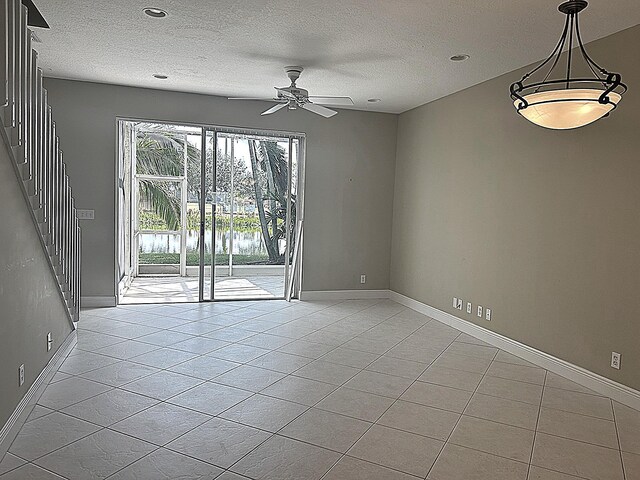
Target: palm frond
{"points": [[163, 201]]}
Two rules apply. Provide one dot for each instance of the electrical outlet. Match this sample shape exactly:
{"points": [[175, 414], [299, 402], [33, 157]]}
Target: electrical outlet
{"points": [[363, 279], [49, 341], [459, 304], [455, 302], [487, 314], [21, 375], [615, 360], [480, 311], [469, 310]]}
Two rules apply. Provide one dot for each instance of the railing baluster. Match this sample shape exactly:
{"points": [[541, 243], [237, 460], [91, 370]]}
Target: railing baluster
{"points": [[12, 52], [32, 126], [60, 172], [12, 68], [21, 26], [38, 128], [67, 233], [4, 53], [78, 268], [25, 85], [50, 173], [63, 224], [44, 152], [54, 197], [65, 229], [55, 181]]}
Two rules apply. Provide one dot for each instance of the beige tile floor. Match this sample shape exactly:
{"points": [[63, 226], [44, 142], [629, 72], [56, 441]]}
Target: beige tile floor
{"points": [[171, 289], [362, 390]]}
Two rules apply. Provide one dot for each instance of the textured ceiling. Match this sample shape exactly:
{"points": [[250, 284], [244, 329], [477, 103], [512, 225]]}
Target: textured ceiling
{"points": [[395, 50]]}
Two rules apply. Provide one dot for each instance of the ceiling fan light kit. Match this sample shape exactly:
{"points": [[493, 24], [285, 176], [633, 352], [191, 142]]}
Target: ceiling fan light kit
{"points": [[294, 97], [567, 102]]}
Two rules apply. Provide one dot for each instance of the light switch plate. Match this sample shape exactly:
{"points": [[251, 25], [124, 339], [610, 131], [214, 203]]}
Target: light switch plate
{"points": [[84, 214]]}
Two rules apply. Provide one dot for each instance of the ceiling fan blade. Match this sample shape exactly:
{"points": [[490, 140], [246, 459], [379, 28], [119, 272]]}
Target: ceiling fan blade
{"points": [[264, 99], [274, 109], [319, 109], [285, 93], [323, 100]]}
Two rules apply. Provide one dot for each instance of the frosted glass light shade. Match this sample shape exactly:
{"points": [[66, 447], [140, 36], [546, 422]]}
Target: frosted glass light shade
{"points": [[567, 108]]}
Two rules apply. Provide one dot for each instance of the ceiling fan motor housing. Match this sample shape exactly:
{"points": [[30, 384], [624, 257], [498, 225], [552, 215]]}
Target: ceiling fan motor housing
{"points": [[300, 93], [293, 72]]}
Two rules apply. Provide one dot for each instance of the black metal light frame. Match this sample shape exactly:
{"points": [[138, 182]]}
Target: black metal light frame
{"points": [[603, 79]]}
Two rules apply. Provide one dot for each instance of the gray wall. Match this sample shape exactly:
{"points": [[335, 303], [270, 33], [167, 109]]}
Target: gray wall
{"points": [[30, 305], [349, 177], [541, 226]]}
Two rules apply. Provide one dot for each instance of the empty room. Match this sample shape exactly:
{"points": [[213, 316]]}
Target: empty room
{"points": [[384, 240]]}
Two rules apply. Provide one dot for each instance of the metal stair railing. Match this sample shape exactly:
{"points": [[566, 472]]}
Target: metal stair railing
{"points": [[29, 133]]}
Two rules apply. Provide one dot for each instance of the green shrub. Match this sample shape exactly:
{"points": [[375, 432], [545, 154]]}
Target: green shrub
{"points": [[193, 259], [151, 221]]}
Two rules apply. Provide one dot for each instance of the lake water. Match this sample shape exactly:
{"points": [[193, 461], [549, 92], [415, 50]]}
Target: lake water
{"points": [[244, 243]]}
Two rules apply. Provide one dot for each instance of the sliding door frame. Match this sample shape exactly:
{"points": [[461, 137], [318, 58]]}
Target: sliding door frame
{"points": [[215, 129]]}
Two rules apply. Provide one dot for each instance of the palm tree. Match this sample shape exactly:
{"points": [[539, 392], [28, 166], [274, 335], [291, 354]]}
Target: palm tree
{"points": [[264, 226], [161, 153], [269, 158]]}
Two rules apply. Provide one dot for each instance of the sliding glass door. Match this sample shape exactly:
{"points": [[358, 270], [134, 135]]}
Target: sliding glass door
{"points": [[251, 183], [207, 213]]}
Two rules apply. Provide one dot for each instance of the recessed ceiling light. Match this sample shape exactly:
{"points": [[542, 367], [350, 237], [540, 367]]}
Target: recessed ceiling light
{"points": [[155, 12], [373, 100], [159, 76], [459, 58]]}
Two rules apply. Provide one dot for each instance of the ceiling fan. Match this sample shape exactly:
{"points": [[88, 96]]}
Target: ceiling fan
{"points": [[293, 97]]}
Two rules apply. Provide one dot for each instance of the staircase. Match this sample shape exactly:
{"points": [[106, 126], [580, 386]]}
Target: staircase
{"points": [[29, 133]]}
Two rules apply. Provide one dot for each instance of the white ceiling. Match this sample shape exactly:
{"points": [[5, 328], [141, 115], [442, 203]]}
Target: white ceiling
{"points": [[395, 50]]}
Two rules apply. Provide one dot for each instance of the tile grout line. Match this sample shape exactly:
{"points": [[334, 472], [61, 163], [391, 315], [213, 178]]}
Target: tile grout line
{"points": [[339, 386], [403, 392], [361, 370], [255, 393], [459, 418], [615, 421], [535, 432]]}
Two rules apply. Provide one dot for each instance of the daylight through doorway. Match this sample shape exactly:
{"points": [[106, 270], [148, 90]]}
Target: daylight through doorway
{"points": [[207, 213]]}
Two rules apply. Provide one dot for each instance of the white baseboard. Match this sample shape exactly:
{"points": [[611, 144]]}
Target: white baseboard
{"points": [[97, 302], [23, 410], [343, 294], [604, 386]]}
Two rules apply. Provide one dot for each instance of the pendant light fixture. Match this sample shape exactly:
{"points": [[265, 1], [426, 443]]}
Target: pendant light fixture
{"points": [[566, 102]]}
